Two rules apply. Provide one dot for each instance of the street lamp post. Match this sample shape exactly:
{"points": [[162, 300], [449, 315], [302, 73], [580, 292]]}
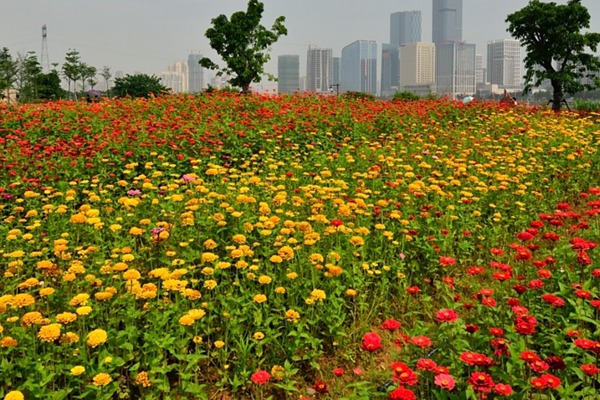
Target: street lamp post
{"points": [[337, 88]]}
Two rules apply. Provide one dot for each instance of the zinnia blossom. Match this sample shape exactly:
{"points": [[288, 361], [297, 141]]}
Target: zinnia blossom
{"points": [[481, 381], [102, 379], [445, 381], [401, 393], [96, 337], [260, 377], [14, 395], [446, 315], [49, 333], [390, 325], [371, 341]]}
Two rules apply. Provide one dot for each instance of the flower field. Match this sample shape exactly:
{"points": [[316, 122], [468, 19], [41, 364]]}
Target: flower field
{"points": [[298, 247]]}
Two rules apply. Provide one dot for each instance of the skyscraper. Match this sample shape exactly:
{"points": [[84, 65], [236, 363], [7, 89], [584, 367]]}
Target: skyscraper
{"points": [[390, 69], [405, 27], [359, 67], [417, 66], [319, 69], [504, 62], [455, 69], [447, 21], [288, 73], [195, 73]]}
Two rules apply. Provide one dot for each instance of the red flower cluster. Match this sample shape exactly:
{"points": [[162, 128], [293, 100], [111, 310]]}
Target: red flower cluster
{"points": [[371, 342], [545, 381]]}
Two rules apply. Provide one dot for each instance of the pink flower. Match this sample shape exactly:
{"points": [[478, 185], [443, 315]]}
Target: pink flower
{"points": [[445, 381], [446, 315], [260, 377]]}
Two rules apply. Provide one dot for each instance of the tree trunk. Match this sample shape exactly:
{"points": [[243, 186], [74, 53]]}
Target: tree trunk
{"points": [[557, 97]]}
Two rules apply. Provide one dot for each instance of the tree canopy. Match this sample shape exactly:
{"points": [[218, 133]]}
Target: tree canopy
{"points": [[243, 44], [138, 85], [556, 47]]}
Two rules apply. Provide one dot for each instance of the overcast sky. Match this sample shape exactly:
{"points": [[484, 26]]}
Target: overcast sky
{"points": [[148, 35]]}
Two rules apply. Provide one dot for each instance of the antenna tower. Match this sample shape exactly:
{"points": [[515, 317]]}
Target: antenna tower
{"points": [[44, 59]]}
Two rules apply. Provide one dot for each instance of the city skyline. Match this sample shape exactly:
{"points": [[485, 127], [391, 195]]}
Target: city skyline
{"points": [[147, 36]]}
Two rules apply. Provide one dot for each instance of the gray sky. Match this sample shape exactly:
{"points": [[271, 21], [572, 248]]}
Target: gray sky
{"points": [[149, 35]]}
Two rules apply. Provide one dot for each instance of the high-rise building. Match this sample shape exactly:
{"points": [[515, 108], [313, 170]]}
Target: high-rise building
{"points": [[447, 21], [195, 73], [417, 65], [455, 69], [319, 69], [359, 67], [405, 27], [480, 72], [390, 69], [337, 69], [288, 73], [504, 63], [176, 77]]}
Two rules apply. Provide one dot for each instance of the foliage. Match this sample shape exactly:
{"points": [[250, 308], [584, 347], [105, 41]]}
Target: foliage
{"points": [[358, 95], [250, 247], [106, 74], [556, 47], [404, 96], [8, 71], [29, 71], [138, 85], [243, 44]]}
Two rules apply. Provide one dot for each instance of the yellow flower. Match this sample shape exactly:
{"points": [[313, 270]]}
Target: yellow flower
{"points": [[79, 300], [292, 275], [280, 290], [134, 231], [77, 370], [143, 379], [8, 341], [30, 318], [131, 274], [351, 292], [219, 343], [186, 320], [14, 395], [69, 337], [258, 336], [96, 338], [292, 315], [264, 279], [210, 244], [260, 298], [276, 259], [239, 239], [210, 284], [84, 310], [102, 379], [197, 339], [49, 333], [46, 291], [318, 294], [286, 253], [66, 317], [357, 240], [196, 313], [22, 300]]}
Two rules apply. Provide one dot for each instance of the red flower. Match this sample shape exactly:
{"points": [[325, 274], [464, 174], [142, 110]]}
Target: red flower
{"points": [[445, 381], [320, 387], [496, 251], [503, 389], [371, 341], [401, 393], [260, 377], [481, 381], [556, 363], [538, 383], [445, 261], [589, 369], [426, 364], [399, 367], [337, 222], [551, 380], [446, 315], [390, 325], [475, 270], [413, 290], [421, 341], [525, 325], [529, 356], [338, 371], [539, 366], [407, 377], [497, 331], [471, 328]]}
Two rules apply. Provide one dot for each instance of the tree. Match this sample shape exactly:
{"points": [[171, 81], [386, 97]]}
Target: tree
{"points": [[138, 85], [71, 70], [8, 72], [106, 74], [243, 44], [556, 48], [28, 75]]}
